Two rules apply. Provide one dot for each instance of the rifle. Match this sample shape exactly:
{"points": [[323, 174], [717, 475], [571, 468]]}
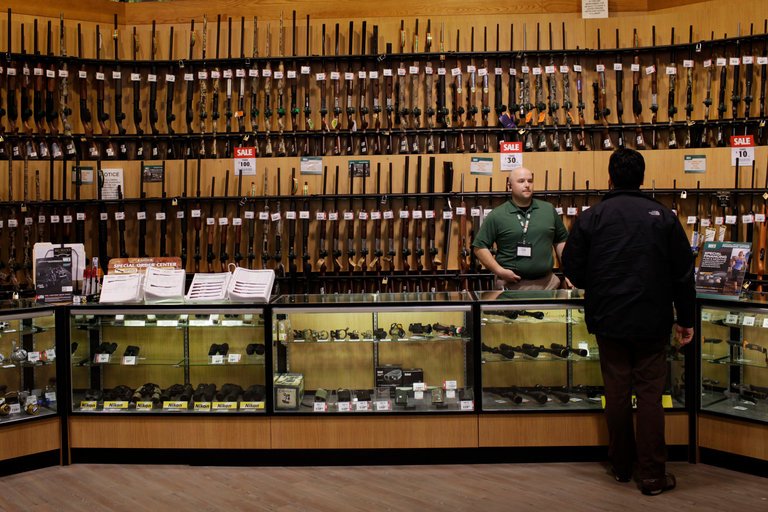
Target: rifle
{"points": [[401, 109], [305, 236], [291, 216], [671, 108], [602, 110], [430, 86], [762, 240], [308, 125], [390, 236], [322, 220], [162, 216], [389, 106], [40, 212], [294, 87], [581, 136], [250, 215], [101, 112], [320, 77], [215, 86], [224, 225], [117, 80], [471, 98], [475, 213], [362, 215], [696, 233], [375, 86], [350, 87], [253, 74], [267, 73], [237, 221], [334, 217], [170, 82], [13, 224], [277, 217], [136, 81], [722, 63], [749, 61], [202, 78], [26, 110], [567, 105], [651, 70], [210, 223], [103, 219], [2, 110], [378, 248], [710, 70], [637, 106], [688, 65], [464, 252], [64, 110], [240, 114], [442, 105], [484, 98], [335, 76], [404, 231], [349, 221], [266, 219], [414, 99], [27, 230], [447, 212], [618, 68], [280, 76], [152, 79], [458, 109], [526, 107], [431, 231], [120, 218], [503, 119], [39, 105], [80, 216], [418, 215], [13, 112], [554, 106], [541, 145], [736, 90], [228, 113], [181, 215], [189, 78], [198, 221], [363, 95], [141, 215]]}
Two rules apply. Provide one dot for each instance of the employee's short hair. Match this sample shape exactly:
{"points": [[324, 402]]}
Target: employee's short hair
{"points": [[626, 169]]}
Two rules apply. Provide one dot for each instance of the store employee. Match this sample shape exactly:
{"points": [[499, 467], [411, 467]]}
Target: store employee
{"points": [[524, 230]]}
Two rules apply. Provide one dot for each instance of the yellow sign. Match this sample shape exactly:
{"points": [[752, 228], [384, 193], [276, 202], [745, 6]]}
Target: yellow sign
{"points": [[251, 406], [143, 406], [203, 406], [88, 405], [666, 401], [115, 405], [177, 405], [224, 406]]}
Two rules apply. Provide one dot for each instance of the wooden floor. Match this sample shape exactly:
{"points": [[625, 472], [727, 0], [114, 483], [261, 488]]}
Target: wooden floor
{"points": [[519, 487]]}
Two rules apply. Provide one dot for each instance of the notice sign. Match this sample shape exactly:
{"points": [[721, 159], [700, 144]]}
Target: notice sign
{"points": [[245, 161], [695, 163], [511, 154], [742, 149], [594, 9]]}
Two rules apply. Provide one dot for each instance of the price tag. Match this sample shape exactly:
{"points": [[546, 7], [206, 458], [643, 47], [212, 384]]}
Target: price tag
{"points": [[387, 72], [389, 215], [400, 71], [227, 73], [215, 74], [55, 219], [333, 216], [67, 219], [349, 75], [705, 223], [223, 221], [343, 406], [441, 71], [50, 354], [461, 210], [563, 69], [373, 75], [706, 316], [80, 216], [63, 73], [195, 214], [361, 75], [33, 357], [202, 75], [734, 61], [234, 358], [151, 78], [278, 75], [335, 75], [707, 63], [559, 210], [320, 216], [688, 63], [129, 360], [765, 323], [141, 215], [275, 217], [320, 77], [115, 405], [13, 223], [253, 73], [101, 358], [263, 215], [290, 215], [217, 359], [375, 215], [450, 393], [759, 217], [160, 216], [691, 219], [250, 215], [50, 396], [743, 149], [572, 211], [320, 407], [584, 208], [732, 319], [577, 68], [251, 406], [748, 321], [188, 77], [305, 70], [413, 70], [429, 214], [649, 70], [455, 71], [80, 74], [404, 214], [428, 70], [719, 221], [382, 405], [747, 219], [536, 71], [418, 214], [240, 73], [721, 61], [236, 221], [671, 70], [202, 406], [635, 68], [600, 68], [170, 78], [362, 215], [550, 70], [349, 215], [730, 219], [362, 406], [467, 405], [474, 212], [447, 214]]}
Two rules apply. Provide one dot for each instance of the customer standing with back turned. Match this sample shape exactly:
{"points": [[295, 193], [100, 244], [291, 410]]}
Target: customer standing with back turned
{"points": [[631, 256]]}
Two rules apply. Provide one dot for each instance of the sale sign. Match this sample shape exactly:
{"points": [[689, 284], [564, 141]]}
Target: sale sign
{"points": [[511, 154], [245, 161], [742, 149]]}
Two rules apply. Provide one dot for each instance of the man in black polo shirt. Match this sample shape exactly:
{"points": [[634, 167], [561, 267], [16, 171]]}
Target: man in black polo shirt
{"points": [[524, 230]]}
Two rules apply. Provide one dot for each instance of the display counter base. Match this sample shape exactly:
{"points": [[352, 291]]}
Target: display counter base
{"points": [[733, 436], [29, 438], [30, 462], [734, 462]]}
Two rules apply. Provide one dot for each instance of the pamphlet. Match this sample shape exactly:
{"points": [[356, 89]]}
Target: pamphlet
{"points": [[53, 276], [722, 269]]}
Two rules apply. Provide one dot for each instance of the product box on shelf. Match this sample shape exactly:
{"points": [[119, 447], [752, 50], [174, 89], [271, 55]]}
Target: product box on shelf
{"points": [[289, 390]]}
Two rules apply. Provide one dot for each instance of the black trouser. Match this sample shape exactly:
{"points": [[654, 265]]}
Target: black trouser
{"points": [[635, 364]]}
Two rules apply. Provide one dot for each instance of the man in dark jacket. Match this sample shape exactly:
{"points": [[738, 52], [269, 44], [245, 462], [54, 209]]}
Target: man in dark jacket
{"points": [[632, 257]]}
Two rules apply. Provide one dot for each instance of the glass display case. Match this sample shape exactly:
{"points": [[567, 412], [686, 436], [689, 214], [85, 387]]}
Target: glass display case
{"points": [[166, 359], [734, 359], [373, 353], [537, 354], [27, 363]]}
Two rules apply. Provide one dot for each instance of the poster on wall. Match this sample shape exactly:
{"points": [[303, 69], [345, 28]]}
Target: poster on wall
{"points": [[722, 269]]}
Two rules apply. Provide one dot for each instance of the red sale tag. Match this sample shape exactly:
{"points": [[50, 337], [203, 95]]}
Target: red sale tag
{"points": [[245, 152], [742, 141], [511, 155]]}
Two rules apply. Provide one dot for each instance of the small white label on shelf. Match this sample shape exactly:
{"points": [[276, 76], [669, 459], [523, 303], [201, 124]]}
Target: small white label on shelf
{"points": [[101, 358], [160, 216], [362, 406], [572, 211], [450, 384], [129, 360], [335, 75], [387, 72], [263, 215], [706, 316], [33, 357], [135, 323], [599, 68], [275, 216], [419, 386], [320, 216], [649, 70], [730, 219], [234, 358], [217, 359], [461, 210], [759, 217], [447, 214], [223, 221], [231, 323], [382, 405], [240, 73], [343, 406], [400, 71], [467, 405], [747, 219], [373, 75], [688, 63], [450, 393], [333, 216], [748, 321], [349, 215], [50, 396], [732, 319], [635, 68], [210, 221], [227, 73], [404, 214], [167, 323], [50, 354], [305, 70], [188, 77], [118, 216], [765, 323], [375, 215], [320, 407], [253, 73], [151, 78], [348, 75], [418, 395]]}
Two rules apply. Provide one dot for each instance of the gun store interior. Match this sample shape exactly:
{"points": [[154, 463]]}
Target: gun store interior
{"points": [[278, 230]]}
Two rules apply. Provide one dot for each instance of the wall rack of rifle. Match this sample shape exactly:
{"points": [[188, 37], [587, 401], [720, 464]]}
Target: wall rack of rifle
{"points": [[356, 234], [352, 93]]}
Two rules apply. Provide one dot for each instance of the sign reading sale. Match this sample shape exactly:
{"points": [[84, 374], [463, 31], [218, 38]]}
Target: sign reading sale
{"points": [[742, 149], [511, 154], [245, 161]]}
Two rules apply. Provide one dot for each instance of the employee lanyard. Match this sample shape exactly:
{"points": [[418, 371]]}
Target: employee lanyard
{"points": [[524, 225]]}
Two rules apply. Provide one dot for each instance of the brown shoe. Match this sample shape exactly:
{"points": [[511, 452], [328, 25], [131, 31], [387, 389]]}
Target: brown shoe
{"points": [[655, 486]]}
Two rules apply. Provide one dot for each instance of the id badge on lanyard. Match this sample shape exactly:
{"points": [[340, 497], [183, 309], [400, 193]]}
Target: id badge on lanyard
{"points": [[524, 249]]}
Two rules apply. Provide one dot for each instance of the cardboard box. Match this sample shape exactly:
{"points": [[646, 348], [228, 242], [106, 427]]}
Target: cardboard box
{"points": [[411, 375], [289, 390]]}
